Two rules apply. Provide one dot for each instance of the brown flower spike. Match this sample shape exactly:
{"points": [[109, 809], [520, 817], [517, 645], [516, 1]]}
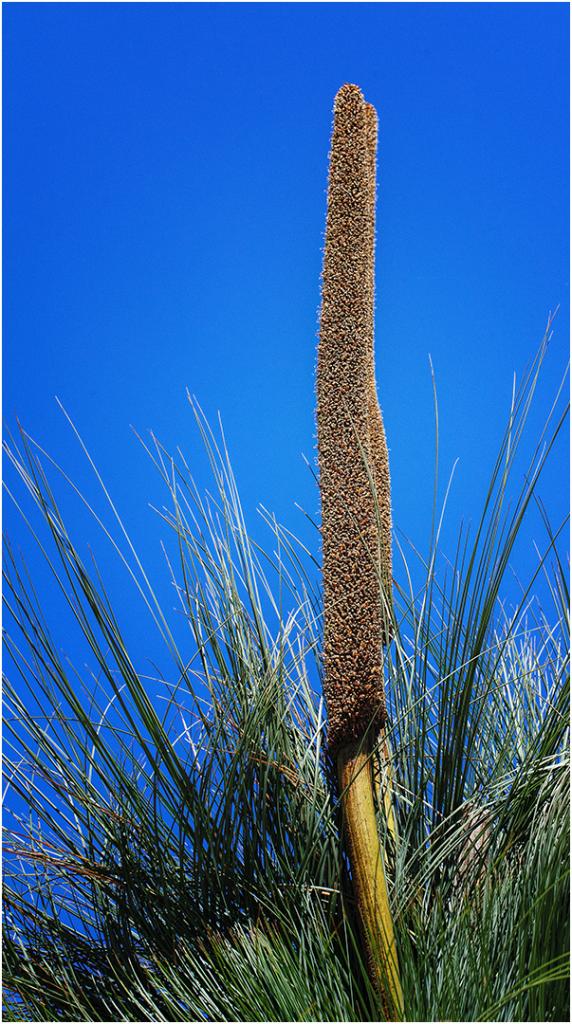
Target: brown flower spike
{"points": [[352, 450]]}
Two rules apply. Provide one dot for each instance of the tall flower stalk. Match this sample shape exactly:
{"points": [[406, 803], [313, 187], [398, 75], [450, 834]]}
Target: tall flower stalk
{"points": [[356, 519]]}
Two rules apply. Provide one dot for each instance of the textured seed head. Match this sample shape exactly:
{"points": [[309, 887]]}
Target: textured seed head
{"points": [[352, 451], [378, 454]]}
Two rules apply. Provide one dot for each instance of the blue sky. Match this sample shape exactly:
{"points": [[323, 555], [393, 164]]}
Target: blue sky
{"points": [[164, 207]]}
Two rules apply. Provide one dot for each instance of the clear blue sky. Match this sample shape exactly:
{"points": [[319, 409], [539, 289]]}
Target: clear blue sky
{"points": [[164, 204]]}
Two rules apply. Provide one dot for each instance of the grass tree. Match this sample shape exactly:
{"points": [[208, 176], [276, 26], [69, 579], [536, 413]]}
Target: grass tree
{"points": [[174, 837]]}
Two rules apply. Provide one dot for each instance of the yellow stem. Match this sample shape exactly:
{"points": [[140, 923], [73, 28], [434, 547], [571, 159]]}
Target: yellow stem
{"points": [[370, 887]]}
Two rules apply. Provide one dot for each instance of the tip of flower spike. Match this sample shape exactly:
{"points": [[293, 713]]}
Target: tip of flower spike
{"points": [[371, 114], [349, 94]]}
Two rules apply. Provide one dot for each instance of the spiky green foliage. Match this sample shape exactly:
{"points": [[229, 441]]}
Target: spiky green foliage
{"points": [[173, 851]]}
